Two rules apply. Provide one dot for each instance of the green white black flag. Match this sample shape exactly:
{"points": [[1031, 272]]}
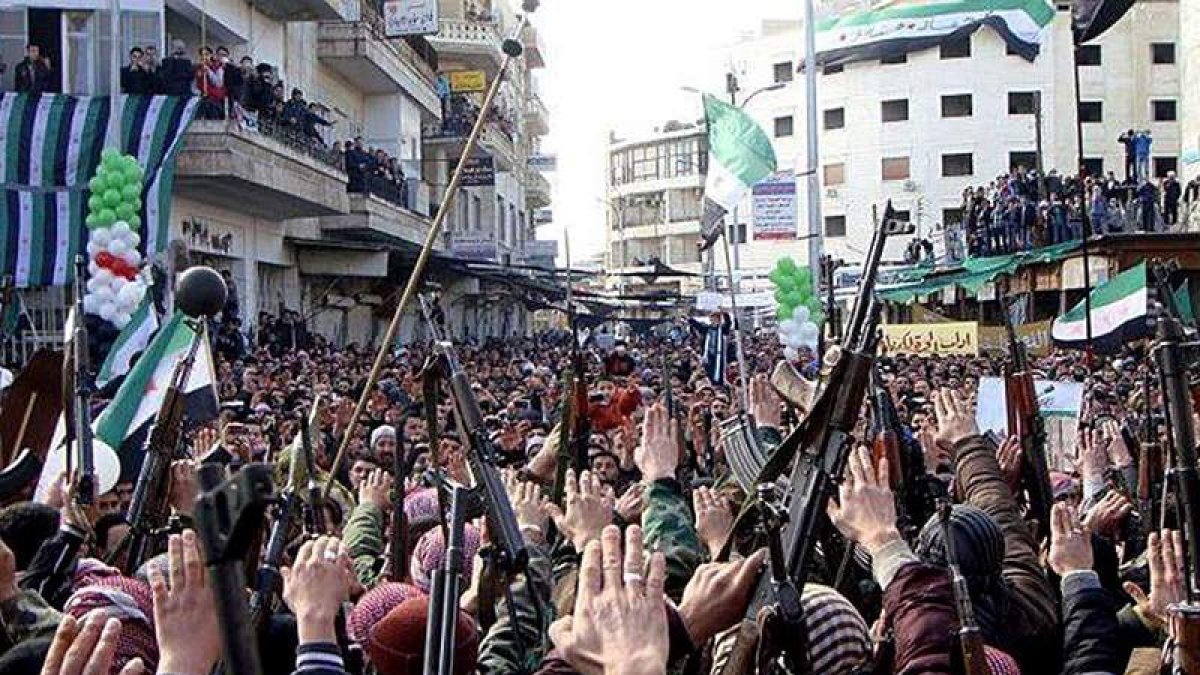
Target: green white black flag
{"points": [[1119, 310], [739, 155]]}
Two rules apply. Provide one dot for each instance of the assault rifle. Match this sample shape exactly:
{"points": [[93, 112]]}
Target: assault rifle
{"points": [[79, 391], [149, 508], [1026, 423], [914, 490], [820, 446], [269, 582], [1150, 464], [314, 505], [573, 426], [510, 552], [970, 639]]}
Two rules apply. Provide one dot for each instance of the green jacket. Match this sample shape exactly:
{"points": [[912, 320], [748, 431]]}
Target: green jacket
{"points": [[26, 616], [667, 526], [365, 539], [501, 652]]}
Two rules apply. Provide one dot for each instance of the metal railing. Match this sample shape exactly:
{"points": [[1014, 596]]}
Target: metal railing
{"points": [[389, 191], [293, 136]]}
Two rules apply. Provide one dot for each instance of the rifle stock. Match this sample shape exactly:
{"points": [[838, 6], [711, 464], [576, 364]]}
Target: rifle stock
{"points": [[1026, 423]]}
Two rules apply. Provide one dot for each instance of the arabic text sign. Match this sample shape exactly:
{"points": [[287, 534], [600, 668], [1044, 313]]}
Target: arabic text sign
{"points": [[543, 163], [775, 207], [479, 172], [922, 339], [410, 17], [1036, 337], [474, 248], [467, 81]]}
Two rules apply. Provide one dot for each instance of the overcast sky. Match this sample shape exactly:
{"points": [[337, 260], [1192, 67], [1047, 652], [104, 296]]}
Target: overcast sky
{"points": [[619, 64]]}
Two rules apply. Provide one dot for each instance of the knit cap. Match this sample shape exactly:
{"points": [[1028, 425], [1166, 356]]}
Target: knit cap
{"points": [[128, 600], [838, 638], [374, 605], [1000, 663], [422, 511], [396, 645], [430, 552]]}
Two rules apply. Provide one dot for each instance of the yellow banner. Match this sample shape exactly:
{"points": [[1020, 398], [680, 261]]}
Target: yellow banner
{"points": [[1036, 337], [926, 339], [466, 81]]}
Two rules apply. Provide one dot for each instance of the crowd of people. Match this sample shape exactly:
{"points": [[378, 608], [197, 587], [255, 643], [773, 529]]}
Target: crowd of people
{"points": [[372, 170], [628, 571], [1023, 210]]}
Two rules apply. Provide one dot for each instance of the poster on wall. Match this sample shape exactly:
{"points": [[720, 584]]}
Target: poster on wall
{"points": [[774, 201], [928, 339], [479, 172], [468, 81], [410, 17]]}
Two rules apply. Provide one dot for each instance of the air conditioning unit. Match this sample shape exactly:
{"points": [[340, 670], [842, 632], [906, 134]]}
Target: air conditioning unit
{"points": [[831, 193], [910, 186]]}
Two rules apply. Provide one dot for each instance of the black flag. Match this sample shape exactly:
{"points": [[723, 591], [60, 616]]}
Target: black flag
{"points": [[1093, 17]]}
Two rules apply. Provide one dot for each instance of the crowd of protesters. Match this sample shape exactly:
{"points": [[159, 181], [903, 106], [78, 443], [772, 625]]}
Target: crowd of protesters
{"points": [[645, 523], [1023, 210]]}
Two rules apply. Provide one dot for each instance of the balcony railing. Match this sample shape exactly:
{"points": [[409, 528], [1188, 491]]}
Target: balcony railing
{"points": [[295, 138], [458, 35], [389, 191]]}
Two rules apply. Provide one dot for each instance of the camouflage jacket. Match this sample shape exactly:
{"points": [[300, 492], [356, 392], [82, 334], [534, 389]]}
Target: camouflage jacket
{"points": [[26, 616], [514, 644], [365, 539], [668, 527]]}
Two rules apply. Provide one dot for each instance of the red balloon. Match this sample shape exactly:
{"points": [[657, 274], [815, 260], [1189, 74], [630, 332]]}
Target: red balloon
{"points": [[106, 260], [125, 269]]}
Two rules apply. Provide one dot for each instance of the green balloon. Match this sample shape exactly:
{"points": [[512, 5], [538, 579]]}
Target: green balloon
{"points": [[112, 198], [106, 217], [787, 264], [95, 203], [780, 295], [131, 191], [92, 221], [98, 185], [135, 203], [135, 222], [124, 211], [784, 312], [133, 176]]}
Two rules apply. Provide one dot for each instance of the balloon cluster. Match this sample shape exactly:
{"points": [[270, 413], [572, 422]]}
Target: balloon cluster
{"points": [[115, 287], [799, 311]]}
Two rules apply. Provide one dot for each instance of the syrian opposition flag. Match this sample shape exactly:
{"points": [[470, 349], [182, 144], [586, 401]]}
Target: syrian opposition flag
{"points": [[133, 409], [739, 155], [1119, 313], [1093, 17], [893, 27], [134, 338]]}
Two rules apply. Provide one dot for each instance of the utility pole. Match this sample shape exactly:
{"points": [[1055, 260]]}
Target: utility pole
{"points": [[114, 76], [810, 92], [1037, 139]]}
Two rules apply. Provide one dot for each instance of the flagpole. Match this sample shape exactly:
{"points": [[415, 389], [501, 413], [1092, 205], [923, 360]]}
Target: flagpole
{"points": [[114, 80], [811, 142], [1085, 220], [736, 327]]}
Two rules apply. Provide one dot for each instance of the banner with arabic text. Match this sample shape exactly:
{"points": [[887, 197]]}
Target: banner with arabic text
{"points": [[1035, 335], [929, 339]]}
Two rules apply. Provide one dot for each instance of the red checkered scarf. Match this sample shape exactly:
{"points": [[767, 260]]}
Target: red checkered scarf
{"points": [[430, 552], [1000, 663], [128, 600], [374, 605]]}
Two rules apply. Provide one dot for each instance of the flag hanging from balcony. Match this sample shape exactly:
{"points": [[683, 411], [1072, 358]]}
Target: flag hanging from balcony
{"points": [[50, 146], [848, 32], [739, 155]]}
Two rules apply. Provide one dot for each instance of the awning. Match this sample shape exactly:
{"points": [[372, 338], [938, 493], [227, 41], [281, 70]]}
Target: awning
{"points": [[973, 273], [324, 257]]}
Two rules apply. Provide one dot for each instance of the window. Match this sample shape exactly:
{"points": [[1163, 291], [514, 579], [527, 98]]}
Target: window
{"points": [[832, 70], [1094, 166], [952, 217], [1163, 165], [835, 174], [784, 72], [739, 233], [958, 164], [895, 111], [1164, 111], [783, 126], [1088, 55], [1162, 53], [835, 118], [894, 59], [1091, 112], [957, 105], [1020, 158], [835, 226], [895, 168], [1022, 102], [902, 216], [957, 49]]}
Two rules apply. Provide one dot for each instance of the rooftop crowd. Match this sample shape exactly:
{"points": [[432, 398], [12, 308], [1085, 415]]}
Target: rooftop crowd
{"points": [[627, 573]]}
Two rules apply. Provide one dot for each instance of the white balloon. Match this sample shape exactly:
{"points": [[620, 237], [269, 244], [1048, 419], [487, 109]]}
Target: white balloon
{"points": [[103, 276], [801, 314], [796, 341], [809, 332], [783, 338], [787, 327], [93, 284], [93, 248], [120, 227], [105, 294], [108, 466], [93, 268], [91, 304], [121, 319], [102, 236], [129, 296], [132, 257], [108, 310], [117, 246], [790, 353], [132, 238]]}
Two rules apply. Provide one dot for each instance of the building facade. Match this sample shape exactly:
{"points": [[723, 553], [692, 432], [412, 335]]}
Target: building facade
{"points": [[920, 129], [283, 211], [1189, 56]]}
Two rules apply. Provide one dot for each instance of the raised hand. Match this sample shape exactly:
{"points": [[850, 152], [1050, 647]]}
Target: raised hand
{"points": [[620, 621], [87, 648], [867, 510], [956, 421], [764, 402], [527, 502], [714, 519], [658, 454], [717, 596], [1093, 455], [1009, 457], [206, 438], [185, 485], [185, 618], [1165, 555], [588, 510], [376, 489], [1105, 517], [631, 504], [1070, 541], [315, 586]]}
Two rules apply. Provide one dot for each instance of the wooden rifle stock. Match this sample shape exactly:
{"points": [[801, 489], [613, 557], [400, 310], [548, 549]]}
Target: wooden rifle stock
{"points": [[1025, 422]]}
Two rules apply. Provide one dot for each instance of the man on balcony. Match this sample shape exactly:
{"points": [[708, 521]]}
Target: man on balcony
{"points": [[176, 73], [33, 74]]}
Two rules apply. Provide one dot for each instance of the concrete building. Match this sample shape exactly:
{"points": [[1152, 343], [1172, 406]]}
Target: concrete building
{"points": [[1189, 60], [655, 195], [918, 130], [273, 208]]}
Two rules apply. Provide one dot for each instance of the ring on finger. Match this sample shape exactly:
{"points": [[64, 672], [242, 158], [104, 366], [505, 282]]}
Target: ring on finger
{"points": [[633, 578]]}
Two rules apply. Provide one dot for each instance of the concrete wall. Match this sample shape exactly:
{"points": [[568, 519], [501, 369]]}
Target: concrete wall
{"points": [[1189, 57]]}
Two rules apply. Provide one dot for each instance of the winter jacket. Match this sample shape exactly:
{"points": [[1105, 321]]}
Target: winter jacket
{"points": [[667, 526], [26, 616], [50, 573], [612, 414], [1089, 627]]}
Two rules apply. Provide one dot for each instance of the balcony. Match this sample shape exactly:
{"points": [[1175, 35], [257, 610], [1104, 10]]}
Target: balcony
{"points": [[268, 173], [474, 41], [496, 140], [537, 117], [309, 10], [361, 53], [375, 218], [537, 191], [533, 47]]}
